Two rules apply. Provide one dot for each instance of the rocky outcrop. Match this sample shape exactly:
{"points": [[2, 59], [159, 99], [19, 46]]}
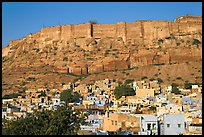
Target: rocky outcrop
{"points": [[88, 48]]}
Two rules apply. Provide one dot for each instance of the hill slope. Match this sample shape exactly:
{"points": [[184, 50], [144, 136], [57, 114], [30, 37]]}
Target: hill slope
{"points": [[88, 52]]}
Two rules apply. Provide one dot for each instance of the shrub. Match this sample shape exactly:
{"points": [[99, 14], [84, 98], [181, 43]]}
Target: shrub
{"points": [[196, 42], [159, 64], [10, 96], [123, 90], [24, 83], [31, 79], [128, 81], [178, 78], [156, 74], [152, 108], [55, 48], [90, 58], [160, 41], [151, 79], [175, 89], [93, 21], [65, 59], [177, 44], [107, 52], [160, 80], [144, 77], [187, 85]]}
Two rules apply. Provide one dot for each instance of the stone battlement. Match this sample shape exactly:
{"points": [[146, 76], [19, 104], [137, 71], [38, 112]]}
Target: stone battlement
{"points": [[142, 31]]}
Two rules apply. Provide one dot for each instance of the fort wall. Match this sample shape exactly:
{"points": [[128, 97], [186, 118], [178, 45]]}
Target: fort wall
{"points": [[104, 30], [141, 32]]}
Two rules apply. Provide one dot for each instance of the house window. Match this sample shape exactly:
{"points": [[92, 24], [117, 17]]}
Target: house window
{"points": [[112, 122], [168, 125], [115, 122], [179, 125], [148, 126], [154, 126]]}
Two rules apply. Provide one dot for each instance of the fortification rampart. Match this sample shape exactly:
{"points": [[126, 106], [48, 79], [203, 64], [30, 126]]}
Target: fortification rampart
{"points": [[139, 32]]}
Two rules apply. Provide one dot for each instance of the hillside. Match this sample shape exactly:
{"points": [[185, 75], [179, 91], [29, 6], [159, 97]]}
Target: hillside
{"points": [[88, 52]]}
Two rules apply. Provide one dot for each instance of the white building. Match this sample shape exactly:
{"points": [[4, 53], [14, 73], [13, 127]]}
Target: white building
{"points": [[194, 86], [148, 125], [173, 124]]}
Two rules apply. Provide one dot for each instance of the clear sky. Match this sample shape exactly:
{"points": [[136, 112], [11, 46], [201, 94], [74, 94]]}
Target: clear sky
{"points": [[22, 18]]}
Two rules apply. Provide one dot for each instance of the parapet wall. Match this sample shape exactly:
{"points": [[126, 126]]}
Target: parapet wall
{"points": [[139, 32], [104, 30]]}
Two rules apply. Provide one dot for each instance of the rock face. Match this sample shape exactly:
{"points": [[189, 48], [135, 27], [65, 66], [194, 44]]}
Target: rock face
{"points": [[88, 48]]}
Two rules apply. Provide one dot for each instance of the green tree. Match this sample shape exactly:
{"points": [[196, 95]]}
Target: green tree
{"points": [[58, 122], [65, 59], [175, 89], [123, 90], [187, 85], [10, 96], [93, 21], [160, 80], [196, 42], [128, 81], [144, 77], [68, 96]]}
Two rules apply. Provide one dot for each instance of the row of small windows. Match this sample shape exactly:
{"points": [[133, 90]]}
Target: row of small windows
{"points": [[179, 125], [114, 122]]}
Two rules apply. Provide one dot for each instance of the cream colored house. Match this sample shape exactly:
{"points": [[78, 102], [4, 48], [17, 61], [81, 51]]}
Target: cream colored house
{"points": [[145, 92]]}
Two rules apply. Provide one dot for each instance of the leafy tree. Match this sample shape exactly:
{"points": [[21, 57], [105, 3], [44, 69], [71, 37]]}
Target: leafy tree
{"points": [[153, 108], [144, 77], [175, 89], [151, 79], [93, 21], [160, 80], [196, 42], [10, 96], [31, 79], [187, 85], [65, 59], [123, 90], [68, 96], [58, 122], [128, 81]]}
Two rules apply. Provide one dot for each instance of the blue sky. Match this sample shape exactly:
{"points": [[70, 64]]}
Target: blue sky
{"points": [[22, 18]]}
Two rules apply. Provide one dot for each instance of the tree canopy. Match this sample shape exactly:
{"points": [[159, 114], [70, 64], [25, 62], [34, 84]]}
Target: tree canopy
{"points": [[123, 90], [175, 89], [68, 96], [93, 21], [187, 85], [47, 122]]}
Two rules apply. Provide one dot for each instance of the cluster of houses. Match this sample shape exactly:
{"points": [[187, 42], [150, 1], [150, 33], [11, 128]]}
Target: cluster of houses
{"points": [[152, 111]]}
